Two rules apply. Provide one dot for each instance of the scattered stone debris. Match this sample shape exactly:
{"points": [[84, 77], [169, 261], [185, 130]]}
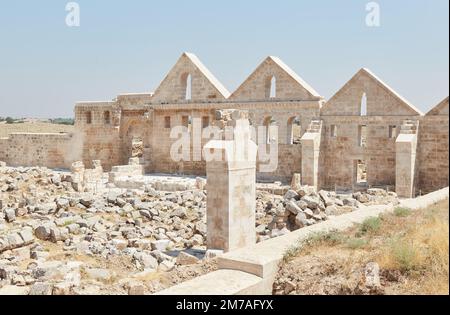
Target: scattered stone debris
{"points": [[60, 235]]}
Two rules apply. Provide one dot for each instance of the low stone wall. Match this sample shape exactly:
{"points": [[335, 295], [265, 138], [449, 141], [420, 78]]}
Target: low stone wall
{"points": [[52, 150]]}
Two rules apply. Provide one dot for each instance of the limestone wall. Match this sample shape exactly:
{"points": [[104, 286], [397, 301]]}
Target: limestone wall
{"points": [[28, 149], [3, 148], [433, 149], [274, 95], [99, 126], [341, 151]]}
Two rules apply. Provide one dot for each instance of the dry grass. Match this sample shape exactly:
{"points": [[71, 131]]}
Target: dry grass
{"points": [[33, 127], [411, 248], [421, 251]]}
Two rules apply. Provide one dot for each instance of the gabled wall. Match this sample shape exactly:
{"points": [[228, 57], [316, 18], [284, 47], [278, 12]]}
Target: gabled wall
{"points": [[384, 108], [288, 84], [433, 148], [204, 85], [105, 130]]}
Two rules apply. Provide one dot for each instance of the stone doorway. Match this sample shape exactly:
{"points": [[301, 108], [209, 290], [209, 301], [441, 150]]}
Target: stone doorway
{"points": [[137, 147]]}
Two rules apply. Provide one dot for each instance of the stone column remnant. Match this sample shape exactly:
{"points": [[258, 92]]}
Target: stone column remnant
{"points": [[405, 159], [231, 187], [310, 154]]}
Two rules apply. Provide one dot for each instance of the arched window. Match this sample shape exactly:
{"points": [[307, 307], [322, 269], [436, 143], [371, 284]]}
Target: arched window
{"points": [[364, 105], [270, 124], [293, 130], [271, 87], [187, 81]]}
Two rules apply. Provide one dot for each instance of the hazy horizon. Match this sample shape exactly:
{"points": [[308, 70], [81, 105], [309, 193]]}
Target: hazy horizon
{"points": [[46, 66]]}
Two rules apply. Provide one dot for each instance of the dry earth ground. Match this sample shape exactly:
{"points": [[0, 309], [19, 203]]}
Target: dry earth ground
{"points": [[411, 249]]}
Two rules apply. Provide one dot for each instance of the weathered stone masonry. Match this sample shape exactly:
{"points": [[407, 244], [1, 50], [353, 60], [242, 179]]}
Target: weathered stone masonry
{"points": [[365, 123]]}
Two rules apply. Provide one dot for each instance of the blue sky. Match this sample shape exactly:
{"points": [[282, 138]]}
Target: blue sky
{"points": [[129, 46]]}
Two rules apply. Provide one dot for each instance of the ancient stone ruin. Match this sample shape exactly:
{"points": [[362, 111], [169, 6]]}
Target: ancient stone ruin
{"points": [[366, 135], [102, 210]]}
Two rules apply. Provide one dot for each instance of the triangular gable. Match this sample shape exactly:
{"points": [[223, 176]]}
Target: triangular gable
{"points": [[382, 100], [205, 86], [289, 85], [440, 109]]}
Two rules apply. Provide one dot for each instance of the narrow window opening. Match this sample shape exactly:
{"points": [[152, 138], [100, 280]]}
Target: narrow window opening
{"points": [[107, 117], [392, 131], [205, 121], [294, 129], [185, 121], [271, 125], [167, 122], [364, 105], [88, 118], [333, 131], [188, 87], [362, 136], [273, 87]]}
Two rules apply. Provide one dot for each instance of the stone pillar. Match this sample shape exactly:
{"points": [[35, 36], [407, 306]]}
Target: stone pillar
{"points": [[405, 160], [77, 169], [310, 154], [231, 187]]}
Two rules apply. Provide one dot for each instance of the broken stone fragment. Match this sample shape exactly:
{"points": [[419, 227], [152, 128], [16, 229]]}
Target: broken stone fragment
{"points": [[136, 288], [160, 245], [261, 228], [327, 200], [41, 288], [301, 220], [99, 273], [27, 235], [42, 232], [212, 253], [200, 227], [290, 194], [10, 215], [296, 181], [62, 203], [184, 258], [371, 275], [166, 266], [309, 213], [311, 202], [331, 210], [293, 207], [200, 183], [350, 202]]}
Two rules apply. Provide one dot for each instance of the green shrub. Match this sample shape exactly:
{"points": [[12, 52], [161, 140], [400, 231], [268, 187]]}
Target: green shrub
{"points": [[329, 238], [405, 255], [402, 212], [370, 225], [355, 243]]}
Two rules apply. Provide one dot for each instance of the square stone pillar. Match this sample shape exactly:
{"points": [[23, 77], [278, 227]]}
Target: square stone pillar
{"points": [[405, 165], [231, 189], [310, 154], [405, 159]]}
